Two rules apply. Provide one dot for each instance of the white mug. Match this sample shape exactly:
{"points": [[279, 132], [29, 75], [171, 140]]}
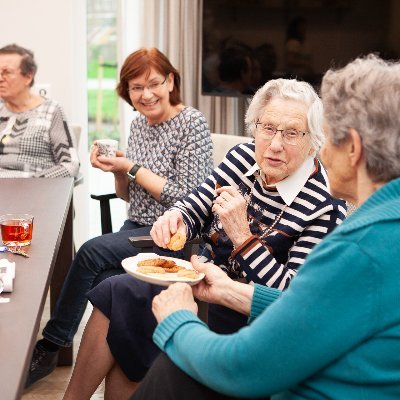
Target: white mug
{"points": [[107, 147]]}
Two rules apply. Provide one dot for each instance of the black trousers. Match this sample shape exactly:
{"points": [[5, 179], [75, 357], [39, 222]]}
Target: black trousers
{"points": [[165, 381]]}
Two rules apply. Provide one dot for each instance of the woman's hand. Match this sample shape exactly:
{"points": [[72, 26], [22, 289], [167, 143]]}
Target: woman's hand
{"points": [[167, 225], [178, 296], [231, 208], [115, 164], [215, 284], [218, 288]]}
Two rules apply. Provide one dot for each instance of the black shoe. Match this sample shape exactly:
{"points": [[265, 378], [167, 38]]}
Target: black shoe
{"points": [[43, 363]]}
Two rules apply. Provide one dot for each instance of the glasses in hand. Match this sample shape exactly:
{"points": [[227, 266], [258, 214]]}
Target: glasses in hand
{"points": [[289, 136], [152, 87]]}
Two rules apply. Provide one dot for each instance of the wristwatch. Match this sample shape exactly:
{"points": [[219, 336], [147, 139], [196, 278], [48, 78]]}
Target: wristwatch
{"points": [[133, 171]]}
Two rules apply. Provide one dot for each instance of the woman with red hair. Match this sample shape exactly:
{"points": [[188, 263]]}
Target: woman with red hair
{"points": [[169, 153]]}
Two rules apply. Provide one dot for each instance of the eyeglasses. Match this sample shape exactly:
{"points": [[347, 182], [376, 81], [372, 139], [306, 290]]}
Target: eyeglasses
{"points": [[8, 73], [289, 136], [152, 87]]}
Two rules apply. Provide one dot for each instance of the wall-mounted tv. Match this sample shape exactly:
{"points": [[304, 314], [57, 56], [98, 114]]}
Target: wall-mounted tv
{"points": [[248, 42]]}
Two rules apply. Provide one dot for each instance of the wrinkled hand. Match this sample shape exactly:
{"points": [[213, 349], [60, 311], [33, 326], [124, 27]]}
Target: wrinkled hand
{"points": [[178, 296], [215, 284], [231, 208], [109, 164], [167, 225]]}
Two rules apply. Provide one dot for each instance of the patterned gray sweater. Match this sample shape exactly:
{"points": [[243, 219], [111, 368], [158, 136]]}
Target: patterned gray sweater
{"points": [[179, 149], [36, 143]]}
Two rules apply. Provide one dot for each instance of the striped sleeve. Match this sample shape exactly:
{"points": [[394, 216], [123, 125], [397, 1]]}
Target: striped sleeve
{"points": [[196, 207]]}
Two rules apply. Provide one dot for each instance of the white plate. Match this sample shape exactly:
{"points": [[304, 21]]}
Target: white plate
{"points": [[130, 266]]}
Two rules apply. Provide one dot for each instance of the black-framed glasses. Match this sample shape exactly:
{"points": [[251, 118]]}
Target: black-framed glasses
{"points": [[151, 87], [289, 136]]}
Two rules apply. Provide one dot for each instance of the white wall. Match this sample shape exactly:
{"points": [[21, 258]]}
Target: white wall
{"points": [[55, 30]]}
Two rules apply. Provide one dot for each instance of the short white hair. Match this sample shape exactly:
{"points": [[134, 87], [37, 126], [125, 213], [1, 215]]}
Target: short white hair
{"points": [[365, 96], [289, 89]]}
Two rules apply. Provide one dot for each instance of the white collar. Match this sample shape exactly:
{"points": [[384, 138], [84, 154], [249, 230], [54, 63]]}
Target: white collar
{"points": [[291, 186]]}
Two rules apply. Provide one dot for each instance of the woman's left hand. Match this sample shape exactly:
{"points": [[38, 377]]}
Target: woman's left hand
{"points": [[178, 296], [231, 208]]}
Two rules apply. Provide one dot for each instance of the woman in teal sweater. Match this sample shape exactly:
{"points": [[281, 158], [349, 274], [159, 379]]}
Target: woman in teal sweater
{"points": [[335, 332]]}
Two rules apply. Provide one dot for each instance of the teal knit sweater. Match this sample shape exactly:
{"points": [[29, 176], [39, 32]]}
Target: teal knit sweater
{"points": [[333, 334]]}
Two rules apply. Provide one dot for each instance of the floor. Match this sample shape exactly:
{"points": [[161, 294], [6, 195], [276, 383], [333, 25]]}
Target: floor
{"points": [[53, 386]]}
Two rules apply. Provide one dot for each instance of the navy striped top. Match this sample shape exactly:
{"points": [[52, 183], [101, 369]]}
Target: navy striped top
{"points": [[271, 256]]}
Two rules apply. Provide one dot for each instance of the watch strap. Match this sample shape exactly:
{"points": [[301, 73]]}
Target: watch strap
{"points": [[133, 171]]}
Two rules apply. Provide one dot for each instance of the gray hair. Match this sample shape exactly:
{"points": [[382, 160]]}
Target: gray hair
{"points": [[28, 64], [365, 96], [290, 89]]}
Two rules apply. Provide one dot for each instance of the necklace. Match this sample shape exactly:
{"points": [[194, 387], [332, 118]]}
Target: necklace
{"points": [[232, 264], [276, 220]]}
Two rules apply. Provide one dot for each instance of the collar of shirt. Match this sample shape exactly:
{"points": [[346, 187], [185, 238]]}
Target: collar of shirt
{"points": [[291, 186]]}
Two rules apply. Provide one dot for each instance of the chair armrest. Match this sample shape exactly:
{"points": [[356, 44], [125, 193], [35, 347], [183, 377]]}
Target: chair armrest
{"points": [[104, 197], [146, 243], [78, 179], [105, 211], [142, 242]]}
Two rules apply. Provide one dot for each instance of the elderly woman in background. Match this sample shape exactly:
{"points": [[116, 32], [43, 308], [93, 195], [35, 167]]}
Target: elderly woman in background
{"points": [[260, 213], [35, 140], [169, 153], [335, 332]]}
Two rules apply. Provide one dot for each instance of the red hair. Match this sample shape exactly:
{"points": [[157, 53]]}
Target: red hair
{"points": [[141, 62]]}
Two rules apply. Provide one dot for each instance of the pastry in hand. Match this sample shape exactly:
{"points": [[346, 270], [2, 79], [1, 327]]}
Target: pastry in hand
{"points": [[177, 241]]}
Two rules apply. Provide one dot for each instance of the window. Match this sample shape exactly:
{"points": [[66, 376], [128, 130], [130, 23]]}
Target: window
{"points": [[103, 111]]}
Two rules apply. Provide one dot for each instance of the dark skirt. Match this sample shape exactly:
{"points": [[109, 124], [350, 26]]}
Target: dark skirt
{"points": [[166, 381], [126, 302]]}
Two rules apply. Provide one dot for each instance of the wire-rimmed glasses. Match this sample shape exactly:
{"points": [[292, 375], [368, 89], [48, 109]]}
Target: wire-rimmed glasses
{"points": [[8, 73], [268, 131], [151, 87]]}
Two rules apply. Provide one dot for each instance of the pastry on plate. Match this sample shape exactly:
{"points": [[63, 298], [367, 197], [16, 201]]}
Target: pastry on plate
{"points": [[187, 273], [150, 269]]}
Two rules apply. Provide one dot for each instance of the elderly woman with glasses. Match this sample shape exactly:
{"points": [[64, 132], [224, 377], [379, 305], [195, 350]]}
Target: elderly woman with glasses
{"points": [[335, 332], [169, 153], [35, 140], [260, 213]]}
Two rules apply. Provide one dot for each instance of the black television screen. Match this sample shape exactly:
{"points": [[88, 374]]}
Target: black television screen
{"points": [[248, 42]]}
